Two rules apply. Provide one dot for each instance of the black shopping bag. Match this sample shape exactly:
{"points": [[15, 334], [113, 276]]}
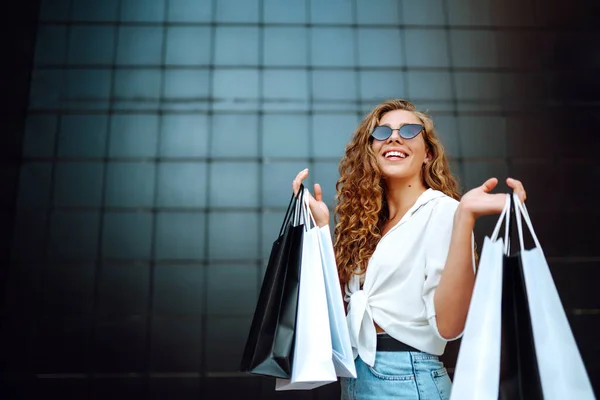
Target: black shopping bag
{"points": [[270, 346], [519, 373]]}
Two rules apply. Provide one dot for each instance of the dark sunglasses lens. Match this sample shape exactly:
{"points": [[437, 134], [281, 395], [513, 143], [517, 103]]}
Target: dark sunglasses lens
{"points": [[382, 132], [410, 131]]}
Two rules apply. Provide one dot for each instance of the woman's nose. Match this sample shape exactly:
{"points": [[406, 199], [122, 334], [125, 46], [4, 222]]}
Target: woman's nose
{"points": [[395, 136]]}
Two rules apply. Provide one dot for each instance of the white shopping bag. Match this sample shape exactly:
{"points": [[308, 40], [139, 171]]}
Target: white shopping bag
{"points": [[312, 365], [477, 372], [562, 372], [343, 358]]}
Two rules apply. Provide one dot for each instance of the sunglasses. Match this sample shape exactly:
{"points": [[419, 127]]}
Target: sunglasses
{"points": [[407, 131]]}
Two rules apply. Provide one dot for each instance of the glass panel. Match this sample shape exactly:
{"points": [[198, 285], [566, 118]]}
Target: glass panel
{"points": [[429, 85], [331, 133], [127, 235], [380, 85], [74, 235], [477, 172], [331, 12], [91, 10], [477, 85], [54, 10], [426, 48], [180, 236], [335, 85], [234, 135], [423, 12], [190, 10], [284, 11], [285, 135], [40, 132], [379, 48], [228, 337], [34, 185], [182, 184], [83, 136], [285, 46], [466, 12], [447, 131], [91, 45], [139, 45], [332, 47], [130, 184], [87, 89], [286, 86], [187, 45], [47, 87], [188, 85], [148, 11], [78, 184], [233, 85], [232, 290], [51, 44], [237, 11], [379, 13], [123, 289], [233, 236], [185, 280], [234, 184], [137, 86], [483, 136], [236, 46], [184, 136], [133, 135], [473, 49]]}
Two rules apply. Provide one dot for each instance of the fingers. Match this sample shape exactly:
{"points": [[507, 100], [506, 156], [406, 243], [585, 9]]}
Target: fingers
{"points": [[518, 188], [318, 192], [298, 180], [489, 184]]}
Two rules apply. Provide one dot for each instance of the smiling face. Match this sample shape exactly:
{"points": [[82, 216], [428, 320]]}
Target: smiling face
{"points": [[399, 158]]}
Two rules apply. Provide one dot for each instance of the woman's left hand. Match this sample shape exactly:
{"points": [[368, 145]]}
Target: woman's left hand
{"points": [[479, 201]]}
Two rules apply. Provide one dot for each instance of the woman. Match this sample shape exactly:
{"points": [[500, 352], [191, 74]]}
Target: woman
{"points": [[404, 249]]}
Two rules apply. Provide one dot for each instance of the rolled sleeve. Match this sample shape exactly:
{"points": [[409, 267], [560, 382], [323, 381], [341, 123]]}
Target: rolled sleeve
{"points": [[438, 235]]}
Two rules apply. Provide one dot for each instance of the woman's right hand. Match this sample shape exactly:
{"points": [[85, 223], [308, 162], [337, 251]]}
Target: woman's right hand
{"points": [[317, 205]]}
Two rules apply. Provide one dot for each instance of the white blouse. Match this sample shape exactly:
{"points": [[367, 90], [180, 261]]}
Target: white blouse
{"points": [[401, 279]]}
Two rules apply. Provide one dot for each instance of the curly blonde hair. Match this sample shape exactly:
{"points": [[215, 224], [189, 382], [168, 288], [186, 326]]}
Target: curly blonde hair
{"points": [[361, 209]]}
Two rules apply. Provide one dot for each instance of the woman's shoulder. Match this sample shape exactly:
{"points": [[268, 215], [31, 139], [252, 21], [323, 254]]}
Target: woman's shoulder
{"points": [[443, 205], [442, 199]]}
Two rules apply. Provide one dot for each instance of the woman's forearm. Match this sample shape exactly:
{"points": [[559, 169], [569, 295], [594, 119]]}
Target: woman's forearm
{"points": [[453, 294]]}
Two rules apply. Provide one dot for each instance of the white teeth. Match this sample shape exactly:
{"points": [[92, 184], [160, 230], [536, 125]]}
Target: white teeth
{"points": [[395, 154]]}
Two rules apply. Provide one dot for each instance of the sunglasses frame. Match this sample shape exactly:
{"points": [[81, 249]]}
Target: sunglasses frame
{"points": [[406, 137]]}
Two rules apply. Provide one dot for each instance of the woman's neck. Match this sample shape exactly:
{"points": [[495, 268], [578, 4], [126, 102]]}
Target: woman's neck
{"points": [[402, 195]]}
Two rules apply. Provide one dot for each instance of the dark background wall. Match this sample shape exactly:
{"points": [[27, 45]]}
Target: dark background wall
{"points": [[148, 147]]}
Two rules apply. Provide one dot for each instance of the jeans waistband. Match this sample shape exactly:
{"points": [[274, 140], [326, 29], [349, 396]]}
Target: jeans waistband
{"points": [[387, 343]]}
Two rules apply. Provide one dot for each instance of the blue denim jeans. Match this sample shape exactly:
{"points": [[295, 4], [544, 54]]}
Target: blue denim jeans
{"points": [[398, 375]]}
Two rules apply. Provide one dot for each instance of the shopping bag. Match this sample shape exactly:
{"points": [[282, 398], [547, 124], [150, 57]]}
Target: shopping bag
{"points": [[519, 374], [478, 364], [313, 361], [270, 344], [562, 373], [343, 359]]}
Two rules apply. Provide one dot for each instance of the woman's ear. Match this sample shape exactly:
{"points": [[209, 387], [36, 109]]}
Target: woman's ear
{"points": [[427, 157]]}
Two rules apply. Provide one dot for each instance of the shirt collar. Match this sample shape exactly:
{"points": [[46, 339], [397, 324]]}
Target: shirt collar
{"points": [[425, 197]]}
